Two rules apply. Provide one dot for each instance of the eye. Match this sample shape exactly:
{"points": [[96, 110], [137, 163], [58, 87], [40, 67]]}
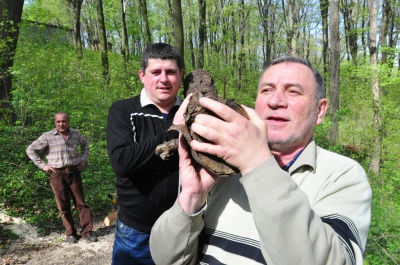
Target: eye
{"points": [[155, 72], [294, 91], [266, 90], [171, 72]]}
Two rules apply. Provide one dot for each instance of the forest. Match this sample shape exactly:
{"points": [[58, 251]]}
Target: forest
{"points": [[80, 56]]}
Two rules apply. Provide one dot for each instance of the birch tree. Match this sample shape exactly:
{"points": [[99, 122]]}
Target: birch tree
{"points": [[334, 69], [373, 7]]}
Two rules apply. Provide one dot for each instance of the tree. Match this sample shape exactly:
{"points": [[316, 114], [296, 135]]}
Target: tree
{"points": [[10, 17], [350, 11], [334, 69], [75, 9], [267, 9], [375, 156], [202, 32], [178, 26], [103, 37], [324, 7], [125, 42], [143, 11], [291, 17]]}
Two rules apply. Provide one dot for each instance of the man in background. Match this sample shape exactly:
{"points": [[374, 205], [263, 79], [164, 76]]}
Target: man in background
{"points": [[146, 184], [64, 163]]}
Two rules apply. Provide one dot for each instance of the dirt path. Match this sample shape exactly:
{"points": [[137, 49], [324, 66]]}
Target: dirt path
{"points": [[31, 248]]}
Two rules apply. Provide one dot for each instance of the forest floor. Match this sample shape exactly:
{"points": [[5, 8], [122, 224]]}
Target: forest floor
{"points": [[32, 248]]}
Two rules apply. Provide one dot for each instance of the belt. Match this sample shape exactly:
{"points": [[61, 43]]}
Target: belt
{"points": [[68, 169]]}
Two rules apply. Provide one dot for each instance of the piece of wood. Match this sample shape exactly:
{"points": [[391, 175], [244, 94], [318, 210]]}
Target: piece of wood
{"points": [[111, 219]]}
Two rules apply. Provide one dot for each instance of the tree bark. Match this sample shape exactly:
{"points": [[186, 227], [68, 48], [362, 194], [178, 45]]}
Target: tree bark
{"points": [[178, 27], [76, 6], [202, 32], [103, 38], [334, 69], [143, 10], [10, 17], [125, 43], [350, 18], [324, 7], [267, 9], [375, 155]]}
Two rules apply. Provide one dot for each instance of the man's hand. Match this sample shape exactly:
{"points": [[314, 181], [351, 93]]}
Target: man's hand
{"points": [[48, 169], [196, 181], [179, 115], [81, 165], [240, 142]]}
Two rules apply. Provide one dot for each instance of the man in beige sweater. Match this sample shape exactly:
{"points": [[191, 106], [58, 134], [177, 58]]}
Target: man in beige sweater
{"points": [[292, 203]]}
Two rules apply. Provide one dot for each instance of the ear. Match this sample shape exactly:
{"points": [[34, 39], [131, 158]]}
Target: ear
{"points": [[322, 108], [141, 75]]}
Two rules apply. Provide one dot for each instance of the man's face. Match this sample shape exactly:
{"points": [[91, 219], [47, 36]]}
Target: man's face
{"points": [[161, 81], [286, 101], [61, 122]]}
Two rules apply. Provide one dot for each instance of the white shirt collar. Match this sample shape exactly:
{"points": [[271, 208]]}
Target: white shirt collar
{"points": [[145, 100]]}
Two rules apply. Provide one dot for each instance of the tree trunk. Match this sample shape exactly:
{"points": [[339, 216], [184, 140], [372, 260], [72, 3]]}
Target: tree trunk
{"points": [[350, 18], [103, 38], [334, 69], [76, 6], [267, 10], [143, 10], [288, 17], [386, 10], [178, 27], [240, 65], [125, 43], [202, 32], [324, 7], [191, 39], [10, 17], [375, 156]]}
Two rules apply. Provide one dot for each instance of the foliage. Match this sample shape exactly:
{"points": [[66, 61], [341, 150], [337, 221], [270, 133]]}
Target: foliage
{"points": [[48, 78]]}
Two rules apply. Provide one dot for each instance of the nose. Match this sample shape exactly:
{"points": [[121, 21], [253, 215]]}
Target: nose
{"points": [[163, 77], [277, 99]]}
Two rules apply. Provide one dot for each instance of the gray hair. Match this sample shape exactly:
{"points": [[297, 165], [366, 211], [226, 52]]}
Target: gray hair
{"points": [[61, 113]]}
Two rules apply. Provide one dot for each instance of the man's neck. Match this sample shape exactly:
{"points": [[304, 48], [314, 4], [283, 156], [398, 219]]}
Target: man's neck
{"points": [[65, 133], [166, 109], [283, 158]]}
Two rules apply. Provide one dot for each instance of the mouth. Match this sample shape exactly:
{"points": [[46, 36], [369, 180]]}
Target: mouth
{"points": [[277, 119], [164, 87]]}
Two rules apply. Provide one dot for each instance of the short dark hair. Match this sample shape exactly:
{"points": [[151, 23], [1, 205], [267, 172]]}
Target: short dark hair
{"points": [[319, 80], [61, 113], [161, 51]]}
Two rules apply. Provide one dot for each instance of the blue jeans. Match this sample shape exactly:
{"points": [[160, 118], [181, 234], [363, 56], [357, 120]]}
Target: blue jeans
{"points": [[130, 246]]}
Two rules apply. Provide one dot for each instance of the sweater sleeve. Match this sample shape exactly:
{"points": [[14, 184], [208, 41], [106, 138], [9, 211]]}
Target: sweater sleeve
{"points": [[126, 154], [174, 238], [291, 232]]}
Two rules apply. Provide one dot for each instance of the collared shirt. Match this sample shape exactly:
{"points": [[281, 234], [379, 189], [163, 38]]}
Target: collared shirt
{"points": [[59, 152], [144, 99]]}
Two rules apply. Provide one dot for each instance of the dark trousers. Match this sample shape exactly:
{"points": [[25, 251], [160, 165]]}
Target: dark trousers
{"points": [[66, 186]]}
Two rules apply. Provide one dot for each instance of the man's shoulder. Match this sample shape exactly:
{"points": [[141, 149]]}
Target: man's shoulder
{"points": [[330, 159], [325, 153], [128, 102], [51, 132], [73, 131]]}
